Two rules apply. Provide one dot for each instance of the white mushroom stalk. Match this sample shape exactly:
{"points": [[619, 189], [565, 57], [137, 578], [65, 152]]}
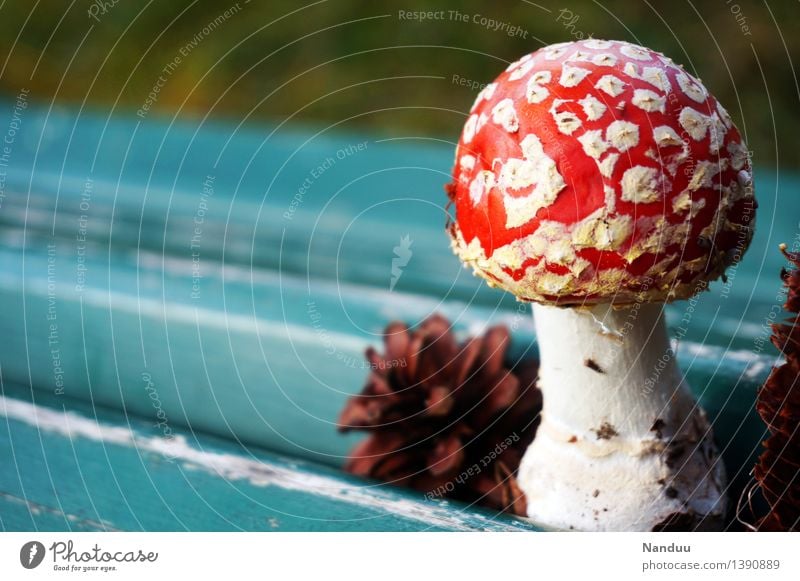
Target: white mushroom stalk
{"points": [[622, 445]]}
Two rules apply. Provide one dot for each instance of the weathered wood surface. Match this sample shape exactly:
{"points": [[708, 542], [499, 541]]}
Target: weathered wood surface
{"points": [[277, 378], [91, 469], [140, 185], [295, 272]]}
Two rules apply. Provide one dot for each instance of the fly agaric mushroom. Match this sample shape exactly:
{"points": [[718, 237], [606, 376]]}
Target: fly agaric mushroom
{"points": [[599, 180]]}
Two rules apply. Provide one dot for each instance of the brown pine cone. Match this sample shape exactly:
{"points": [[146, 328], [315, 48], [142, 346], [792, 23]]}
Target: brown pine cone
{"points": [[778, 469], [445, 418]]}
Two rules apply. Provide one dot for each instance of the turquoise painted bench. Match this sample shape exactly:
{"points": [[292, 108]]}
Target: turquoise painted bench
{"points": [[185, 308]]}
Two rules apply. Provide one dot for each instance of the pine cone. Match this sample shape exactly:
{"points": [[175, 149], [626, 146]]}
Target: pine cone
{"points": [[778, 469], [445, 418]]}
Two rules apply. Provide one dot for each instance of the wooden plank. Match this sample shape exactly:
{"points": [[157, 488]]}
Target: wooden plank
{"points": [[271, 345], [85, 468], [20, 514], [250, 365], [249, 360], [140, 185]]}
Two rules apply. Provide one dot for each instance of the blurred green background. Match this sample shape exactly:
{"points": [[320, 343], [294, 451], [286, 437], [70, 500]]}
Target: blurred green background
{"points": [[361, 64]]}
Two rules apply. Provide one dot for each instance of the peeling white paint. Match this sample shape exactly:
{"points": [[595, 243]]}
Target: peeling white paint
{"points": [[259, 473]]}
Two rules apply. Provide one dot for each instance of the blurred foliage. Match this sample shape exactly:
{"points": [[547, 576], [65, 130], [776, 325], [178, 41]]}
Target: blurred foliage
{"points": [[359, 64]]}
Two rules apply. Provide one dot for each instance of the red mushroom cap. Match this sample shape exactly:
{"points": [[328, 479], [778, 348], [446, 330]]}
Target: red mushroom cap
{"points": [[600, 172]]}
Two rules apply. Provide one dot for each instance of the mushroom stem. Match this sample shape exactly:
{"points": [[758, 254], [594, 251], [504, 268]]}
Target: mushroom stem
{"points": [[622, 444]]}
